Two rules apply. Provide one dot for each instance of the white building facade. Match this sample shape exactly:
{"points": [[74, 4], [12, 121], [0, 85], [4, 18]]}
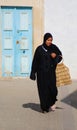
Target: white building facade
{"points": [[61, 21]]}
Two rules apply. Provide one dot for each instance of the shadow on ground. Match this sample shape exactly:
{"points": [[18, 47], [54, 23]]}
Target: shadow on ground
{"points": [[33, 106], [71, 99]]}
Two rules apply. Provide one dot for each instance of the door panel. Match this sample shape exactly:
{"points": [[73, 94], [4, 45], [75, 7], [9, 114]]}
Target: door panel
{"points": [[16, 41], [24, 20], [23, 42], [8, 20], [7, 43], [24, 64]]}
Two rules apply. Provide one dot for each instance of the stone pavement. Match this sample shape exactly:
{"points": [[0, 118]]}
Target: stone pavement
{"points": [[20, 109]]}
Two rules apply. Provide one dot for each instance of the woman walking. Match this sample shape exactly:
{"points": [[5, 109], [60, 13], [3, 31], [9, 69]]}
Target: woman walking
{"points": [[45, 59]]}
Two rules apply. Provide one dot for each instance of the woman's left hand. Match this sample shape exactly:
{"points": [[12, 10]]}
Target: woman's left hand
{"points": [[53, 55]]}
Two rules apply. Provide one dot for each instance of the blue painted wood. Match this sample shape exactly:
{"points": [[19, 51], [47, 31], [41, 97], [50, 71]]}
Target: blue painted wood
{"points": [[16, 41], [7, 33]]}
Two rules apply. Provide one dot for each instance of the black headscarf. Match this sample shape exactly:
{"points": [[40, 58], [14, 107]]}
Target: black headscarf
{"points": [[46, 36]]}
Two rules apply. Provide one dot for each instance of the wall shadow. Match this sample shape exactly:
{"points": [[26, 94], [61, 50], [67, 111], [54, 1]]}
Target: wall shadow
{"points": [[71, 99]]}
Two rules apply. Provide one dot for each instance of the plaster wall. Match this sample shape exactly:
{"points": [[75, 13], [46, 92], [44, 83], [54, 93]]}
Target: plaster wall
{"points": [[61, 21]]}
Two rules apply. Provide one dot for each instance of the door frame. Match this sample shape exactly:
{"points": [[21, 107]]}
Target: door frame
{"points": [[8, 7]]}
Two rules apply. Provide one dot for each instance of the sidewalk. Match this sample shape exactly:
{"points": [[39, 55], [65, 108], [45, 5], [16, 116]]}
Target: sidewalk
{"points": [[20, 109]]}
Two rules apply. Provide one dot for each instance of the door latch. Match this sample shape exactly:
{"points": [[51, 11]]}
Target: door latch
{"points": [[17, 42]]}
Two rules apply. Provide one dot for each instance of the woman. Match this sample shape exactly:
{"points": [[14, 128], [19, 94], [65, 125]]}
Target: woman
{"points": [[44, 64]]}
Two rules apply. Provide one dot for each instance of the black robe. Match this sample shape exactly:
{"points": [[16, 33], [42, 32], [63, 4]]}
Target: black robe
{"points": [[43, 70]]}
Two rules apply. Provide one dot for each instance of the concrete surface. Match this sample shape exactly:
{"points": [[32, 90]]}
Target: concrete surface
{"points": [[20, 109]]}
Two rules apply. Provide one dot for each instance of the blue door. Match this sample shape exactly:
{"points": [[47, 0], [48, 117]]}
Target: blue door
{"points": [[16, 41]]}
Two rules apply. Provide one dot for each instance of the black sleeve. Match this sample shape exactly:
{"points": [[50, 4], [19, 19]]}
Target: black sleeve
{"points": [[58, 54], [34, 65]]}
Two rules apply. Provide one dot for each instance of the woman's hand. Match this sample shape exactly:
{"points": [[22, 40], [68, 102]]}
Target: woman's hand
{"points": [[53, 55]]}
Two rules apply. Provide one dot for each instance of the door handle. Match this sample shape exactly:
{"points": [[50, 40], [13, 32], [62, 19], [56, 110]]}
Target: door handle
{"points": [[17, 42]]}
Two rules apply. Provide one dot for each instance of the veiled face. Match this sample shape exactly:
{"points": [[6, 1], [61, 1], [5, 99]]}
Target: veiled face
{"points": [[49, 41]]}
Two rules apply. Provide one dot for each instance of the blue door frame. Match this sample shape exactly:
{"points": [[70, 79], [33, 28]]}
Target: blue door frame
{"points": [[16, 41]]}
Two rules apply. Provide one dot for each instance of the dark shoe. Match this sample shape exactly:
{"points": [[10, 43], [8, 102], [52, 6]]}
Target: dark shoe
{"points": [[45, 111]]}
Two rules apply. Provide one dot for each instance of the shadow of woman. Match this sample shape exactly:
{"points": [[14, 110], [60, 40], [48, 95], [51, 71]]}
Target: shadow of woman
{"points": [[33, 106]]}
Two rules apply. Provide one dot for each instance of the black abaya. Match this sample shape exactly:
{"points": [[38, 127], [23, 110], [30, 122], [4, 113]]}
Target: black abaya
{"points": [[43, 67]]}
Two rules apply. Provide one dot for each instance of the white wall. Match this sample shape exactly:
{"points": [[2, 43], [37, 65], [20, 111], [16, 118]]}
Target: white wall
{"points": [[61, 21]]}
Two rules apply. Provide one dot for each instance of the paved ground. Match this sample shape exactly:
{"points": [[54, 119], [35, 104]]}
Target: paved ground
{"points": [[20, 110]]}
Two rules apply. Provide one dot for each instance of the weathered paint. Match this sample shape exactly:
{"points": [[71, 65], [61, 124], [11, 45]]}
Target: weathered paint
{"points": [[16, 41]]}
